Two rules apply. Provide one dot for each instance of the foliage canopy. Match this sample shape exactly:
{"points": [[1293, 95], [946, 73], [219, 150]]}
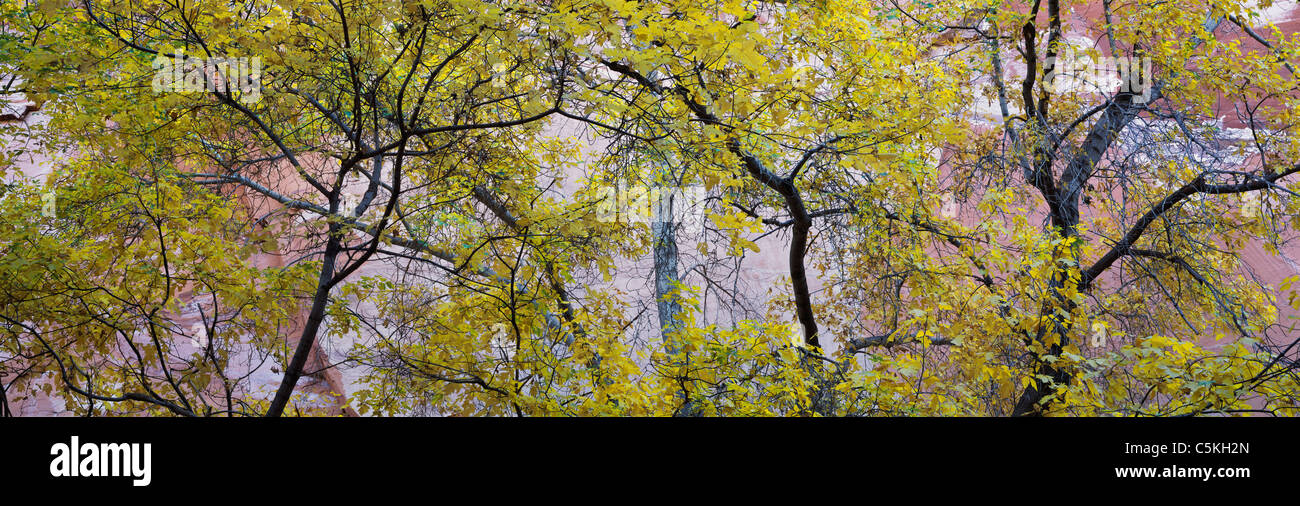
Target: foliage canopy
{"points": [[959, 232]]}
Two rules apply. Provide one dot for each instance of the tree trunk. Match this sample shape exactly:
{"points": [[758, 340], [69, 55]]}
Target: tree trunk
{"points": [[309, 331]]}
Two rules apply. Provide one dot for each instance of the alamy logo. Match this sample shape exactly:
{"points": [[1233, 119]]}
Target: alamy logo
{"points": [[101, 459], [188, 74]]}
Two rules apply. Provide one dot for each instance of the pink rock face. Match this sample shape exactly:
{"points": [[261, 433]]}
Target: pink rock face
{"points": [[324, 388], [764, 273]]}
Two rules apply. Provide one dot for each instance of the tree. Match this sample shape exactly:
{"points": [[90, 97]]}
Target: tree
{"points": [[1070, 256], [388, 101]]}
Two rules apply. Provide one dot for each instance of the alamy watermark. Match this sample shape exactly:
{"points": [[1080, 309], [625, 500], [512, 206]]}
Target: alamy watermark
{"points": [[188, 74], [1071, 71], [653, 205]]}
